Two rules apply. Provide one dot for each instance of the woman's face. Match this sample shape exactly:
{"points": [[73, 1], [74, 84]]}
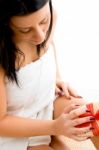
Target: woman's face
{"points": [[31, 28]]}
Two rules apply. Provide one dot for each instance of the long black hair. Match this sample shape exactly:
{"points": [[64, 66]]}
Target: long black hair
{"points": [[8, 51]]}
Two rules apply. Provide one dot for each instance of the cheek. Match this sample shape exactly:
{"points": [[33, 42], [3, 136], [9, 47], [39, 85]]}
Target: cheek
{"points": [[19, 35], [24, 36], [45, 27]]}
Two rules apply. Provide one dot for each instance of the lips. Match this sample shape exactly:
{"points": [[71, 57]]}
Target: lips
{"points": [[36, 42]]}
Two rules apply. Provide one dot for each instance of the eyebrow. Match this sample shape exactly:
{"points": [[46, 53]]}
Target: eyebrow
{"points": [[29, 26]]}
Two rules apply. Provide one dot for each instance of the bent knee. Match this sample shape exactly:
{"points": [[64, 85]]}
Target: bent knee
{"points": [[62, 102]]}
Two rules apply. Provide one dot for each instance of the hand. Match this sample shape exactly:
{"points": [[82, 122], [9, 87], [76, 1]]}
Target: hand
{"points": [[63, 88], [67, 122]]}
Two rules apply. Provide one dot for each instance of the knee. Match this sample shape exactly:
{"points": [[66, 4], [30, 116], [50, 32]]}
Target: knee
{"points": [[79, 101], [62, 101]]}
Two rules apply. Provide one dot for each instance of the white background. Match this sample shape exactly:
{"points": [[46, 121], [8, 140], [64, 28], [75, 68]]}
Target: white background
{"points": [[77, 43]]}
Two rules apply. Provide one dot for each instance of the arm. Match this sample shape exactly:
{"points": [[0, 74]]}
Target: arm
{"points": [[13, 126], [63, 88], [50, 41], [17, 126]]}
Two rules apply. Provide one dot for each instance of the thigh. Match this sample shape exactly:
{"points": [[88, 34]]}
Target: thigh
{"points": [[59, 143], [61, 103], [95, 141], [40, 147]]}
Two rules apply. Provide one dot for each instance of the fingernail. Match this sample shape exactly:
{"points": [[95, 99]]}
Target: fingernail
{"points": [[79, 96], [88, 137], [92, 118], [77, 105], [88, 110], [59, 93], [91, 128], [61, 89]]}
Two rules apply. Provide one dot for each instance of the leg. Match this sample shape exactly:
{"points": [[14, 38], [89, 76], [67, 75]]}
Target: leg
{"points": [[40, 147], [59, 105], [61, 102], [58, 143], [95, 141]]}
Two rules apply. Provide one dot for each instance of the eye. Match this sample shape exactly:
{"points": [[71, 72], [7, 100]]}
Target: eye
{"points": [[44, 21], [25, 31]]}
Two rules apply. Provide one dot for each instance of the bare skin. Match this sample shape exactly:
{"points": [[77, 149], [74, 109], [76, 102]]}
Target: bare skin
{"points": [[27, 35], [60, 104], [95, 141], [41, 147], [58, 143]]}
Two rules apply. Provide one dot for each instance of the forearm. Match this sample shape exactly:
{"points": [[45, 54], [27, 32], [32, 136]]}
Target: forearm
{"points": [[22, 127]]}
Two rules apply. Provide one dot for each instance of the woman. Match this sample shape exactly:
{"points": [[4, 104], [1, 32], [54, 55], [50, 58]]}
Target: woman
{"points": [[28, 78]]}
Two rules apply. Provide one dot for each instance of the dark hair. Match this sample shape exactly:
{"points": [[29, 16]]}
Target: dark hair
{"points": [[8, 51]]}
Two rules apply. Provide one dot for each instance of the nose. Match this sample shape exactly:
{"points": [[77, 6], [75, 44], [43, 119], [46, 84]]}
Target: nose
{"points": [[39, 35]]}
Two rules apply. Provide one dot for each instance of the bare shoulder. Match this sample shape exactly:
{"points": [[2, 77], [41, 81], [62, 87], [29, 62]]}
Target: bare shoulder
{"points": [[3, 101]]}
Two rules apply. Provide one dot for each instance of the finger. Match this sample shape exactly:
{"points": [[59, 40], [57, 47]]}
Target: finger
{"points": [[57, 89], [82, 130], [64, 89], [66, 93], [86, 134], [73, 92], [79, 138], [79, 121], [70, 108], [77, 112]]}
